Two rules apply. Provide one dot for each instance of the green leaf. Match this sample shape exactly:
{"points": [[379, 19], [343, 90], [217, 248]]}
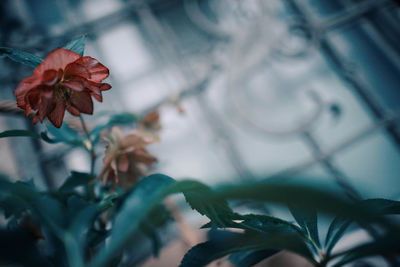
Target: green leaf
{"points": [[147, 194], [20, 56], [74, 180], [26, 133], [77, 45], [228, 242], [250, 258], [308, 221], [16, 133], [201, 198], [336, 230], [388, 245]]}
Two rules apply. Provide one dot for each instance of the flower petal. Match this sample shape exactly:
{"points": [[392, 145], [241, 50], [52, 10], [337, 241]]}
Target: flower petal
{"points": [[46, 106], [76, 85], [57, 59], [73, 110], [50, 77], [123, 163], [134, 140], [57, 115], [76, 69], [143, 156], [82, 101], [23, 87], [98, 71], [47, 91], [98, 97]]}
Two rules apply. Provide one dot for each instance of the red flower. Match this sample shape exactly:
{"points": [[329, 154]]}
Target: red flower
{"points": [[64, 80]]}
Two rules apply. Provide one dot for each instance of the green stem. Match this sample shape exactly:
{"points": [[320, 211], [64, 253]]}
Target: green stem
{"points": [[90, 147]]}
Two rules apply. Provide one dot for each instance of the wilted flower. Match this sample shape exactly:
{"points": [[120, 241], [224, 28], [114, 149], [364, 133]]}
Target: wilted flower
{"points": [[64, 80], [126, 159]]}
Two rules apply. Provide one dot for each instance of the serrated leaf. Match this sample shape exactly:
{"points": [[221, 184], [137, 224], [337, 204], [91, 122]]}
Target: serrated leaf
{"points": [[77, 45], [201, 198], [74, 180], [146, 195], [250, 258], [229, 242], [20, 56], [308, 221]]}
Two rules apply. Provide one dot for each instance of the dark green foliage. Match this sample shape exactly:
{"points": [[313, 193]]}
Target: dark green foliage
{"points": [[20, 57]]}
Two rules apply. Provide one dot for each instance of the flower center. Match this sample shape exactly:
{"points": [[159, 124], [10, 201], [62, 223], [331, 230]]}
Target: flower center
{"points": [[62, 92]]}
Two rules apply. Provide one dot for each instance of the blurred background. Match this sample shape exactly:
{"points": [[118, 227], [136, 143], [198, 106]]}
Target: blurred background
{"points": [[245, 89]]}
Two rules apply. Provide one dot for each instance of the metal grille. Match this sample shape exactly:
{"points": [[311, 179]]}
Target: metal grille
{"points": [[301, 88]]}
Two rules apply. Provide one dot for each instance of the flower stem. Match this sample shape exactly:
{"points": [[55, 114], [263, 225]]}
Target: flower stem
{"points": [[90, 147]]}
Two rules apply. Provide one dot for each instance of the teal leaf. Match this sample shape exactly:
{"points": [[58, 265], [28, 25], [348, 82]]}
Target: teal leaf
{"points": [[308, 221], [251, 257], [74, 180], [18, 133], [336, 230], [77, 45], [20, 56], [201, 198], [226, 243], [26, 133]]}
